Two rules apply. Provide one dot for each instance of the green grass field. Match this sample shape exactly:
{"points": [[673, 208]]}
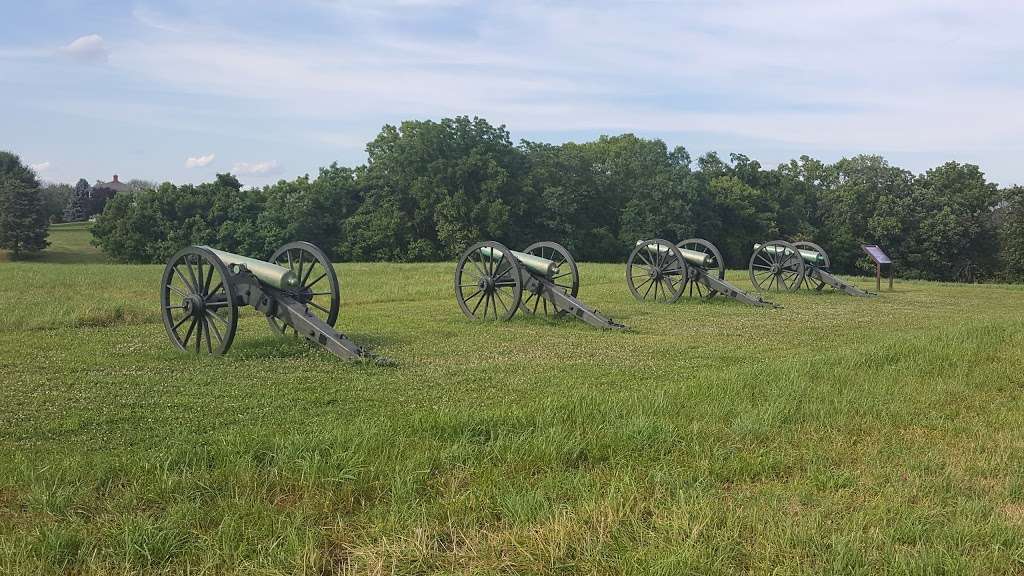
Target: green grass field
{"points": [[69, 244], [837, 435]]}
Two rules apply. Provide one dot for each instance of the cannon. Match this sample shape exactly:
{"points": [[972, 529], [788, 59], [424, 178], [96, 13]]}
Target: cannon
{"points": [[660, 271], [493, 282], [784, 266], [203, 288]]}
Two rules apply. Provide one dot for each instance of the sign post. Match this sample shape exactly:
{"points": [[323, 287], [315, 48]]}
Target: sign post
{"points": [[879, 257]]}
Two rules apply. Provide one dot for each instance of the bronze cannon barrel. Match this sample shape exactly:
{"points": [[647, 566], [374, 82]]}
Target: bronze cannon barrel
{"points": [[277, 276], [809, 256], [692, 256], [535, 264]]}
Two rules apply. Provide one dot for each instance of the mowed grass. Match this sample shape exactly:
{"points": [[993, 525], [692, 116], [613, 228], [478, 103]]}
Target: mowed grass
{"points": [[838, 435], [69, 243]]}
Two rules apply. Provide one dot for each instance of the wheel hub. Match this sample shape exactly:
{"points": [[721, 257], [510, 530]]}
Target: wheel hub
{"points": [[656, 274], [486, 284], [194, 305]]}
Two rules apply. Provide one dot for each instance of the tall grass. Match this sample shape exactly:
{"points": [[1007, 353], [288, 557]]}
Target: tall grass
{"points": [[837, 435]]}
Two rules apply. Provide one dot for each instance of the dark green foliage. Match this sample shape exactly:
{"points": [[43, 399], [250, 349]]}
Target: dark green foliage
{"points": [[1011, 232], [23, 217], [863, 200], [312, 210], [55, 199], [430, 189], [150, 226], [77, 206], [954, 230]]}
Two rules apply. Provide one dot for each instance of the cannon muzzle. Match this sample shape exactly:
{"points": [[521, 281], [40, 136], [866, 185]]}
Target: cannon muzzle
{"points": [[271, 274], [535, 264]]}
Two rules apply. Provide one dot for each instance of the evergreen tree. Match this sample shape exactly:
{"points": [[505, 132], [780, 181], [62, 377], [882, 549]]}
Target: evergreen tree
{"points": [[75, 211], [23, 222]]}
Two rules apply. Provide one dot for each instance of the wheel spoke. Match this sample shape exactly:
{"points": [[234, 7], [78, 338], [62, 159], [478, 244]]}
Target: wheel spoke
{"points": [[497, 293], [483, 297], [191, 327], [213, 325], [309, 272], [206, 331], [192, 275], [313, 283], [179, 323], [188, 286]]}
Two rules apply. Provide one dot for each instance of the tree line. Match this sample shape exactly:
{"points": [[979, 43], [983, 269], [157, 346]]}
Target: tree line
{"points": [[430, 189]]}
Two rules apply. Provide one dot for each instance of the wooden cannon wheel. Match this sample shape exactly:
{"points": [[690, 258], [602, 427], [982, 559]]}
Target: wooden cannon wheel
{"points": [[776, 265], [488, 288], [718, 269], [198, 302], [655, 271], [812, 247], [318, 283], [568, 278]]}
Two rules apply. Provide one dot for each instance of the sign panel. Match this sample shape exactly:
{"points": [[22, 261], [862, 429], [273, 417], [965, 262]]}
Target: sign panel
{"points": [[877, 254]]}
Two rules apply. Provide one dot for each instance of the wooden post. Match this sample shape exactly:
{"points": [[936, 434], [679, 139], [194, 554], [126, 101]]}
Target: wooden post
{"points": [[878, 277]]}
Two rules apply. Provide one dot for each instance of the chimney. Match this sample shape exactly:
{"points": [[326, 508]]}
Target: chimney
{"points": [[115, 178]]}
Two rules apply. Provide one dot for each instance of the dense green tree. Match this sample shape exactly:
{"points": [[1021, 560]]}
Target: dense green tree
{"points": [[952, 233], [1011, 232], [598, 198], [55, 199], [23, 217], [311, 210], [431, 188], [149, 226], [76, 208], [862, 200]]}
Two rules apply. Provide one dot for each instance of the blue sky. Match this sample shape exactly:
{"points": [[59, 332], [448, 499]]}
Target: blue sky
{"points": [[182, 89]]}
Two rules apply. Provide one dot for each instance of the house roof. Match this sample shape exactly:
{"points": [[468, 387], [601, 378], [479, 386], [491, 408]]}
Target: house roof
{"points": [[115, 185]]}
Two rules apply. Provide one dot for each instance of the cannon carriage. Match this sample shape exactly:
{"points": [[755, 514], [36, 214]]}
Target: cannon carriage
{"points": [[660, 271], [787, 266], [493, 282], [202, 289]]}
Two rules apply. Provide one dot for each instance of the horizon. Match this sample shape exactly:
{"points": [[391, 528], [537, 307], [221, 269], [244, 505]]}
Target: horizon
{"points": [[184, 91]]}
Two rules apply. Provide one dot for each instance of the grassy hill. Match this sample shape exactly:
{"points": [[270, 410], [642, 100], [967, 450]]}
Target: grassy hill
{"points": [[837, 435], [69, 243]]}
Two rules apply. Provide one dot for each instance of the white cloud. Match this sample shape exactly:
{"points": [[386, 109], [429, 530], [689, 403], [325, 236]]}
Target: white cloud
{"points": [[40, 167], [921, 76], [89, 48], [256, 168], [199, 161]]}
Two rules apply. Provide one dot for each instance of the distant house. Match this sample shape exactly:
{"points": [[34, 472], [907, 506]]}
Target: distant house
{"points": [[87, 203], [103, 191]]}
